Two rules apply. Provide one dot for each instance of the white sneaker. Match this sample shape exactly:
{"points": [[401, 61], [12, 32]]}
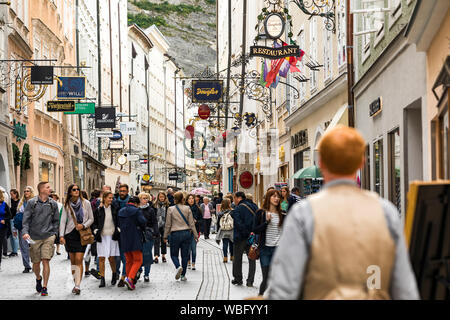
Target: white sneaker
{"points": [[179, 271], [183, 278]]}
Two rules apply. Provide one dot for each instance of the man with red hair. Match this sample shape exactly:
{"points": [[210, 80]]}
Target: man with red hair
{"points": [[342, 242]]}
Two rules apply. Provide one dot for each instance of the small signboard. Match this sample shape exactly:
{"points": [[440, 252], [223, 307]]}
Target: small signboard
{"points": [[41, 75], [104, 134], [375, 107], [83, 108], [207, 91], [60, 106], [173, 176], [275, 53], [128, 128], [105, 117], [204, 111], [246, 179], [116, 144], [71, 88], [117, 135], [132, 157]]}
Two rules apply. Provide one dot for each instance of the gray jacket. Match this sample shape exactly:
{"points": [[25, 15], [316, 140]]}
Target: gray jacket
{"points": [[289, 263], [40, 219]]}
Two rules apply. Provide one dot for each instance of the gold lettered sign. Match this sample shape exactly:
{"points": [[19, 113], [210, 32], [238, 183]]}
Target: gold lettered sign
{"points": [[60, 106], [207, 91], [275, 53]]}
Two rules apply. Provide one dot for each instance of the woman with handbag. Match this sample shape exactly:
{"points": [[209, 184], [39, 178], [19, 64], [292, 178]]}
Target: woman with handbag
{"points": [[180, 225], [74, 230], [267, 226], [150, 233], [107, 236]]}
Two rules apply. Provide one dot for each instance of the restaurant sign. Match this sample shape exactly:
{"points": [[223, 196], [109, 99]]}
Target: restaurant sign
{"points": [[275, 53], [207, 91]]}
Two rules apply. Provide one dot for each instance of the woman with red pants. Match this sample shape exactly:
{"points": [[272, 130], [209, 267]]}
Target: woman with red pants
{"points": [[131, 218]]}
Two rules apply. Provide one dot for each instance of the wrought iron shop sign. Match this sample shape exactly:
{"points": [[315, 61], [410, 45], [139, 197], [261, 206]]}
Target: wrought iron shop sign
{"points": [[275, 53], [207, 91], [60, 106], [375, 107], [299, 139], [173, 176]]}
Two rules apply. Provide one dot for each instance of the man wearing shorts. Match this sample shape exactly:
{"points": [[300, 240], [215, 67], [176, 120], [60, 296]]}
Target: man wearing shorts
{"points": [[40, 226]]}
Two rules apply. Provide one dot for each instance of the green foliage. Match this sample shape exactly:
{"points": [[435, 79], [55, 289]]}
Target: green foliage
{"points": [[25, 160], [16, 154], [211, 25], [144, 21], [167, 8], [210, 1]]}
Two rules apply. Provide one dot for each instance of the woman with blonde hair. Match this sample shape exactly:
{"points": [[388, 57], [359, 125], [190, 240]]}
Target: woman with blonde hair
{"points": [[161, 205], [28, 194]]}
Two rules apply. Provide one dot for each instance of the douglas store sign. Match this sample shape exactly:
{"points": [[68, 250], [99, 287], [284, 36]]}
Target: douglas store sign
{"points": [[207, 91]]}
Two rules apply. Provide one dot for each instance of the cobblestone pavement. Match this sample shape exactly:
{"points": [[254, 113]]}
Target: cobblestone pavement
{"points": [[211, 280]]}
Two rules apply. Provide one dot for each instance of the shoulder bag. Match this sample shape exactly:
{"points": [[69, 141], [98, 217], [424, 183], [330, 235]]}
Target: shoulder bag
{"points": [[185, 220], [86, 235]]}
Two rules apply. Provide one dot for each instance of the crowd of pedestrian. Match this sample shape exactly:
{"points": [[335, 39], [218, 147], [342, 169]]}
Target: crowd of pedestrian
{"points": [[307, 247]]}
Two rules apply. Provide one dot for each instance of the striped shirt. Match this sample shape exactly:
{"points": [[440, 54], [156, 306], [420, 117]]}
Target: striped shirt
{"points": [[273, 231]]}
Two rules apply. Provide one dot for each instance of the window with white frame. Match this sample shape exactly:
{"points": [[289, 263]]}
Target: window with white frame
{"points": [[396, 11], [313, 51], [342, 33], [327, 55]]}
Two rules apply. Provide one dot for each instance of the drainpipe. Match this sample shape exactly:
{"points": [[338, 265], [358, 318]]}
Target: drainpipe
{"points": [[350, 74]]}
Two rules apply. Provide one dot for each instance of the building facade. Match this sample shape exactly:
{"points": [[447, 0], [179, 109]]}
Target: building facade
{"points": [[322, 97], [391, 116]]}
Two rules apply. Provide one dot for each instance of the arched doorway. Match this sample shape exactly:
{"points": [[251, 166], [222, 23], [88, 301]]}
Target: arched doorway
{"points": [[319, 133]]}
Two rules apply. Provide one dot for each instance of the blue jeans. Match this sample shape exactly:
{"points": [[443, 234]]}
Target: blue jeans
{"points": [[180, 241], [193, 250], [227, 243], [147, 257], [14, 240], [265, 255], [24, 250], [124, 263]]}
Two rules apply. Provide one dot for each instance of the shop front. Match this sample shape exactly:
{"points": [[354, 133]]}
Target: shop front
{"points": [[48, 166], [390, 121], [308, 124]]}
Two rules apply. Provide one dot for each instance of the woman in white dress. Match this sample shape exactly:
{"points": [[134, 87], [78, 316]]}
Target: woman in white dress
{"points": [[107, 234]]}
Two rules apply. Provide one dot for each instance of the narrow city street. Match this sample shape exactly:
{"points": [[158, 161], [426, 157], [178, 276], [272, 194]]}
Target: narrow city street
{"points": [[210, 281]]}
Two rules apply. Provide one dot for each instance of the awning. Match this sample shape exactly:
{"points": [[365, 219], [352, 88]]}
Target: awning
{"points": [[341, 117]]}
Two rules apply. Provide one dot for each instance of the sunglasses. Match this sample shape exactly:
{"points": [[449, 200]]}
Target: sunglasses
{"points": [[75, 189], [27, 191]]}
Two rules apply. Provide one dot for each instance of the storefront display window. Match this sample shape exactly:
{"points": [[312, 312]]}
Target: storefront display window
{"points": [[394, 168], [47, 172], [378, 166]]}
